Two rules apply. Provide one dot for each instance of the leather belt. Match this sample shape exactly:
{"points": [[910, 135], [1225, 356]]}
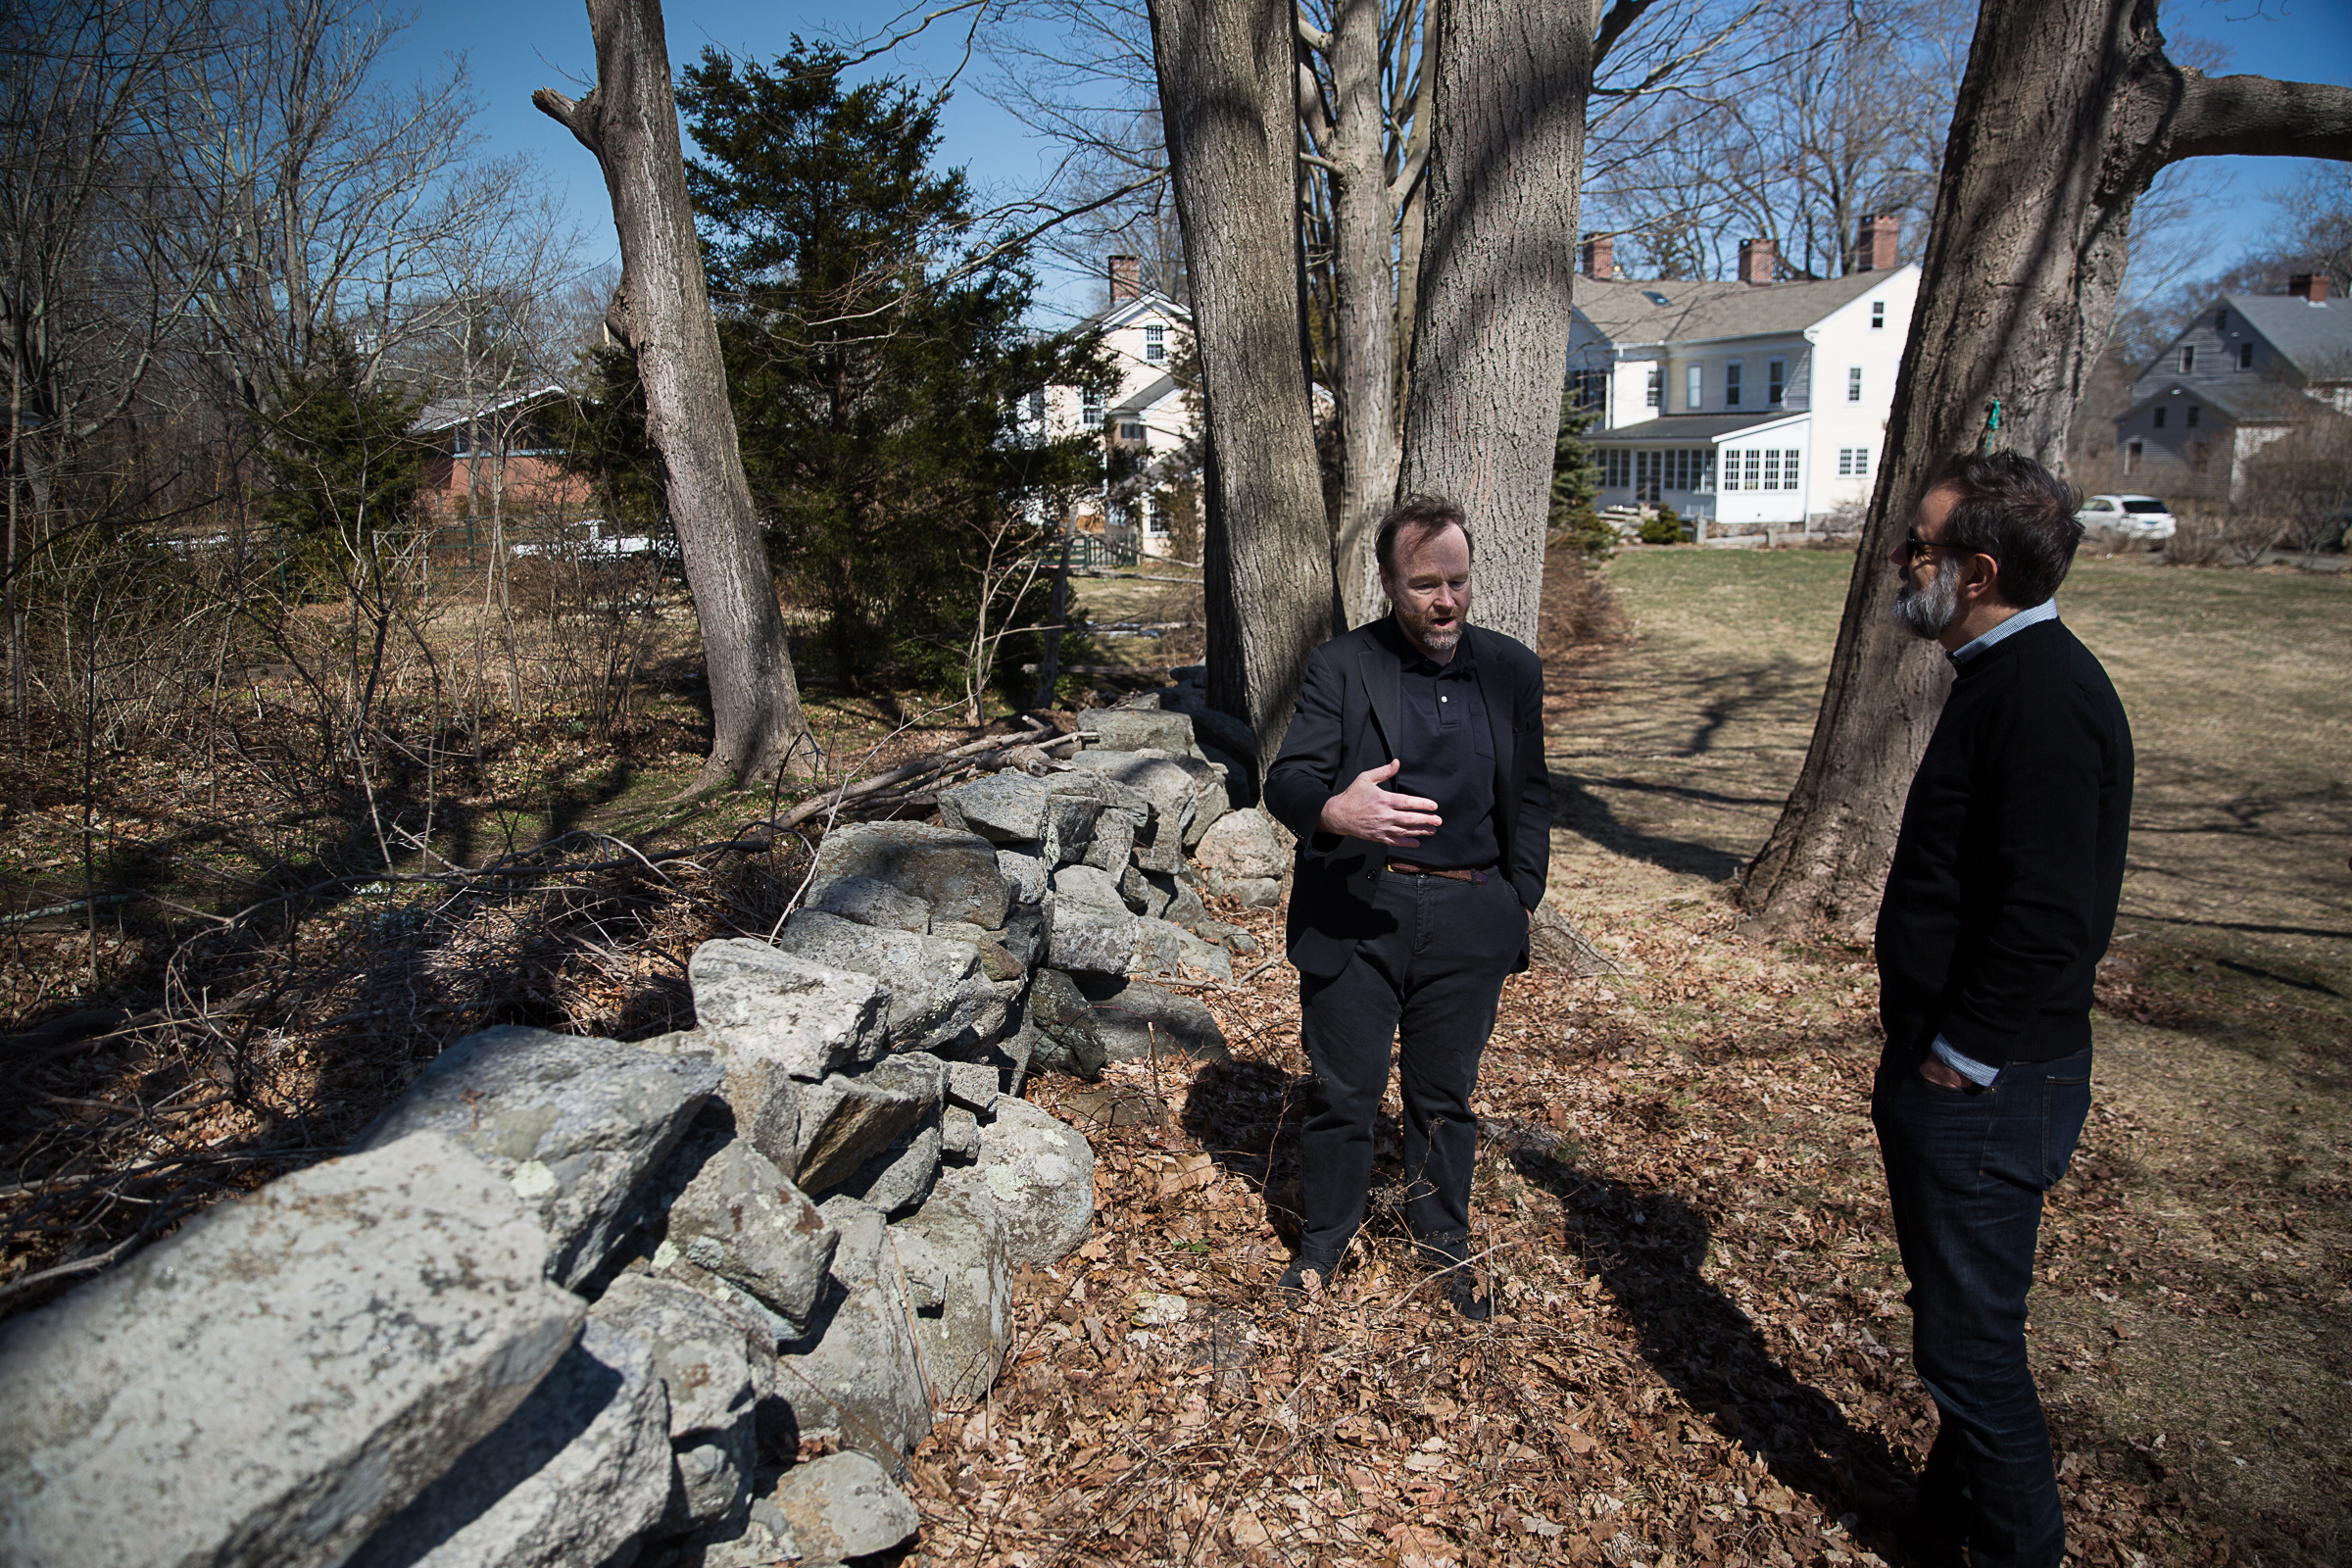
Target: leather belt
{"points": [[1407, 868]]}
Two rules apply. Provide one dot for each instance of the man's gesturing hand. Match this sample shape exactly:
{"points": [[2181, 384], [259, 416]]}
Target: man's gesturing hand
{"points": [[1365, 810]]}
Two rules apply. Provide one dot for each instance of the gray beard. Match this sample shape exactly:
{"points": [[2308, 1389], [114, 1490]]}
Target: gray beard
{"points": [[1925, 611]]}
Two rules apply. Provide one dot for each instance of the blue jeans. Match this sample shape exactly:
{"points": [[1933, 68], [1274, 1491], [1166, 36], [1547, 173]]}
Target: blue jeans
{"points": [[1966, 1169]]}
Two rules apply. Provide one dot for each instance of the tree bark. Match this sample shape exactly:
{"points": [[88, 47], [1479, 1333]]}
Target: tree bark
{"points": [[662, 311], [1507, 89], [1363, 346], [2065, 115], [1227, 98]]}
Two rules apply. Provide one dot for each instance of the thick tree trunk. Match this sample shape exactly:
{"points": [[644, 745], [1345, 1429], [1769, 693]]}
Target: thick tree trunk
{"points": [[1226, 86], [630, 121], [1490, 350], [1363, 348], [2066, 113]]}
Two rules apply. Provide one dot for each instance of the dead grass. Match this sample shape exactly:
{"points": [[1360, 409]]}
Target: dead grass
{"points": [[1703, 1355]]}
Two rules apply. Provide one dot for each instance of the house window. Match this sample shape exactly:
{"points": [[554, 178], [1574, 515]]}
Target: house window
{"points": [[2191, 420], [1853, 462], [1616, 469], [2160, 419], [2221, 321], [1772, 469], [1092, 407], [1776, 383], [1653, 390], [1750, 465], [1589, 389], [2188, 357], [1788, 471], [2245, 356], [1646, 476], [1156, 343], [1878, 314], [1730, 384], [1853, 383], [1694, 387], [1156, 516], [1131, 431], [1037, 406], [2133, 452], [1706, 467]]}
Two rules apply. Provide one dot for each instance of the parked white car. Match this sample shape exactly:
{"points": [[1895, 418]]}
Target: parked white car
{"points": [[2140, 519]]}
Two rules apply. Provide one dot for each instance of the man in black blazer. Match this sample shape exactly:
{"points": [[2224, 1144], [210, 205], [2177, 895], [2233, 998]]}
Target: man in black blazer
{"points": [[2000, 900], [1413, 776]]}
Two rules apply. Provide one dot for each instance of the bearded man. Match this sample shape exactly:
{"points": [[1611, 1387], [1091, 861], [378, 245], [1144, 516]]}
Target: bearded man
{"points": [[1998, 906], [1413, 776]]}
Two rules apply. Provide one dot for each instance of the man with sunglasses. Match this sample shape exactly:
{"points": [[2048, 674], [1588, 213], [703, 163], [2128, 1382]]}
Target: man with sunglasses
{"points": [[1998, 906]]}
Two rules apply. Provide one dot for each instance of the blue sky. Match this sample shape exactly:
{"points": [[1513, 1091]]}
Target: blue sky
{"points": [[513, 46]]}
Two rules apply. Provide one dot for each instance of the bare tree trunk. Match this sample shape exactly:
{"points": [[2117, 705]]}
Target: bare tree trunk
{"points": [[1227, 88], [1489, 349], [1365, 345], [2068, 111], [630, 121]]}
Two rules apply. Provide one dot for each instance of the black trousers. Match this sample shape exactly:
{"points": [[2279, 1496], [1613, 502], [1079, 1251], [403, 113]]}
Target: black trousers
{"points": [[1429, 981]]}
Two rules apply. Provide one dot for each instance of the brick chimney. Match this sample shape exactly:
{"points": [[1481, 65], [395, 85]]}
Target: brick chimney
{"points": [[1874, 243], [1598, 259], [1756, 260], [1126, 278], [2312, 286]]}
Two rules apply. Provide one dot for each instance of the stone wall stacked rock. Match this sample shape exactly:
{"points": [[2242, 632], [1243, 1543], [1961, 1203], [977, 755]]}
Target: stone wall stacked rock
{"points": [[579, 1301]]}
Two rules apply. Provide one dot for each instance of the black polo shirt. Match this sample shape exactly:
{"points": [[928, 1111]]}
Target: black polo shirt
{"points": [[1448, 754]]}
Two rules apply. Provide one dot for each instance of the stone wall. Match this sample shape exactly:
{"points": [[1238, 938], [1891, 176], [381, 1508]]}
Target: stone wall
{"points": [[691, 1299]]}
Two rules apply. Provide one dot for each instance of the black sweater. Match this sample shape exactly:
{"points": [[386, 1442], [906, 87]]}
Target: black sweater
{"points": [[2002, 894]]}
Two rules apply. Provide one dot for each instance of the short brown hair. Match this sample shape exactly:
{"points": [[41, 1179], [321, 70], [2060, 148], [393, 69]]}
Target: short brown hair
{"points": [[2014, 510], [1425, 516]]}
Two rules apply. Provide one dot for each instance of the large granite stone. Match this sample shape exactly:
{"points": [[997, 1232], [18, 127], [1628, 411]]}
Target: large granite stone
{"points": [[844, 1122], [1113, 841], [940, 995], [857, 1374], [1004, 808], [1138, 1020], [285, 1375], [901, 1176], [1245, 844], [575, 1124], [729, 1209], [704, 1362], [953, 871], [841, 1506], [1069, 823], [1129, 729], [1066, 1035], [961, 1232], [866, 902], [1024, 868], [1041, 1173], [774, 1019], [575, 1478]]}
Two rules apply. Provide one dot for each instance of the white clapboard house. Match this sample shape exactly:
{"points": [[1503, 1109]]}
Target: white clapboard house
{"points": [[1147, 416], [1751, 404]]}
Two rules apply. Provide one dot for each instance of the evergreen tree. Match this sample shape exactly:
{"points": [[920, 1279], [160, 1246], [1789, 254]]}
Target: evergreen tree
{"points": [[341, 463], [877, 357], [1575, 479]]}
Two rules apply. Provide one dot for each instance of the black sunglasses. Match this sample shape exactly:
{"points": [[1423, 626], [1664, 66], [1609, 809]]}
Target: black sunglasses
{"points": [[1916, 549]]}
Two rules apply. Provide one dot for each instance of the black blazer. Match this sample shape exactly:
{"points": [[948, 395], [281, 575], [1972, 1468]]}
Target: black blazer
{"points": [[1348, 722]]}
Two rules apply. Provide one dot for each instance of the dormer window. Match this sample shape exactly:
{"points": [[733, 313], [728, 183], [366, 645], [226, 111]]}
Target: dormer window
{"points": [[1694, 387], [1654, 392], [1730, 384], [1878, 314], [1776, 383], [2188, 357], [2160, 417], [1156, 343], [2245, 356]]}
